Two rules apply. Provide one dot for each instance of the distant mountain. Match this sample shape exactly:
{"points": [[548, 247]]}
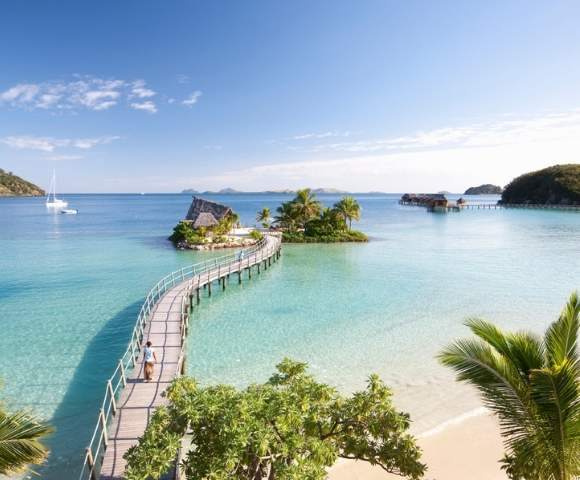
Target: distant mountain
{"points": [[232, 191], [485, 189], [328, 190], [444, 192], [13, 186], [557, 185]]}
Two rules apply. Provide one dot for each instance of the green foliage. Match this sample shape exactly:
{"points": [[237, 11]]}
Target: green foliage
{"points": [[290, 428], [349, 208], [305, 220], [20, 441], [533, 386], [336, 237], [559, 184], [297, 212], [184, 232], [12, 185], [264, 217], [256, 235]]}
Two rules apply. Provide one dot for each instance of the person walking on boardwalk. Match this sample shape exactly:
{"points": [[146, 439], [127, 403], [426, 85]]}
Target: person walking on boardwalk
{"points": [[150, 358]]}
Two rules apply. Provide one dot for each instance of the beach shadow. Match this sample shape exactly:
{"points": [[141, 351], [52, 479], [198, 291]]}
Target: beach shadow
{"points": [[77, 414]]}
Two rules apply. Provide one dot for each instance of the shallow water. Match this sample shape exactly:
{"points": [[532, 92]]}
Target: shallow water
{"points": [[70, 288]]}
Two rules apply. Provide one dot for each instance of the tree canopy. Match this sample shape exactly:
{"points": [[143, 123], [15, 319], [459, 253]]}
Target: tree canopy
{"points": [[559, 184], [289, 428]]}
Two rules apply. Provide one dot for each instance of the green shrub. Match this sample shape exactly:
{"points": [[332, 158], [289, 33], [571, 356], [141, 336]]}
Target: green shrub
{"points": [[334, 237], [256, 235]]}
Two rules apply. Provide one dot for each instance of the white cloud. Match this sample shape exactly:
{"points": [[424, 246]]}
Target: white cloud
{"points": [[549, 127], [309, 136], [181, 78], [139, 90], [450, 158], [64, 157], [147, 106], [192, 99], [84, 92], [22, 93], [49, 144]]}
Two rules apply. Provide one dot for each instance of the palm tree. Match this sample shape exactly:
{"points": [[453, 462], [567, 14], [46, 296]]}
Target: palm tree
{"points": [[287, 216], [306, 205], [20, 445], [533, 385], [264, 217], [349, 208]]}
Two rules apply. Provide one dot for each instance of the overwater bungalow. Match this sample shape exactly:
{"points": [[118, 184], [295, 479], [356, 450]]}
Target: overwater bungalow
{"points": [[435, 202]]}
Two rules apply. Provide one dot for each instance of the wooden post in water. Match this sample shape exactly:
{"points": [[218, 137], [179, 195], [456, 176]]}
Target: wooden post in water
{"points": [[240, 276], [197, 295], [258, 267], [209, 289]]}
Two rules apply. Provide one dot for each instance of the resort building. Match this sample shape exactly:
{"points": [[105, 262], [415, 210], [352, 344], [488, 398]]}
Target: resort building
{"points": [[203, 213]]}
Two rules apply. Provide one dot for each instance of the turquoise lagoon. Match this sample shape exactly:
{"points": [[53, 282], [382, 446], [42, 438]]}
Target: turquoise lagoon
{"points": [[71, 287]]}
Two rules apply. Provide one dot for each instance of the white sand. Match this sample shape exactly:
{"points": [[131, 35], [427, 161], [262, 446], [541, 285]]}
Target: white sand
{"points": [[469, 450]]}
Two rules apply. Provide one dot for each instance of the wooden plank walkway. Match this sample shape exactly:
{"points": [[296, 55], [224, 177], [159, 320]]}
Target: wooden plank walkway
{"points": [[166, 328]]}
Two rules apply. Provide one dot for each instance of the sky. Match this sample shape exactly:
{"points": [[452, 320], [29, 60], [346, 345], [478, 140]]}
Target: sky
{"points": [[373, 95]]}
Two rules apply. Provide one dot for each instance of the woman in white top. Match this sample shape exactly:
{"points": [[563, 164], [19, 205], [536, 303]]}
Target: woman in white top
{"points": [[149, 357]]}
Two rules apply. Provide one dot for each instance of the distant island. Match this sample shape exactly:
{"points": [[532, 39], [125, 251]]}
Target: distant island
{"points": [[14, 186], [232, 191], [485, 189], [556, 185]]}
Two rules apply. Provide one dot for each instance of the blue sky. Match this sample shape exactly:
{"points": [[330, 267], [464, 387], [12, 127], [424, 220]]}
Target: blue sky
{"points": [[131, 96]]}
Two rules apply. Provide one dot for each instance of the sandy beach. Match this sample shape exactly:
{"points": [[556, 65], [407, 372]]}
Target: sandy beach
{"points": [[467, 450]]}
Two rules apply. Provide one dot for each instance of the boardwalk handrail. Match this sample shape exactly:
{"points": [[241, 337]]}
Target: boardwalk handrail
{"points": [[118, 380]]}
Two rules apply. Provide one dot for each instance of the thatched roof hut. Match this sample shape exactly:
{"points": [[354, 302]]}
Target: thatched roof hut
{"points": [[203, 213]]}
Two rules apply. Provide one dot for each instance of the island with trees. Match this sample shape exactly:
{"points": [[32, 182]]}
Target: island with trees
{"points": [[14, 186], [556, 185], [209, 225], [485, 189], [305, 220]]}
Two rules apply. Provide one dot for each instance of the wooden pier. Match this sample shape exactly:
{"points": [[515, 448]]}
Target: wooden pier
{"points": [[129, 401]]}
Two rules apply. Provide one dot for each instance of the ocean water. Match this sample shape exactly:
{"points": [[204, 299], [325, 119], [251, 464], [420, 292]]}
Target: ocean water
{"points": [[71, 287]]}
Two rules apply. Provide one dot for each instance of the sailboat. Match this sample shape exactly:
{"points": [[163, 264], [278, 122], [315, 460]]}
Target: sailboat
{"points": [[51, 200]]}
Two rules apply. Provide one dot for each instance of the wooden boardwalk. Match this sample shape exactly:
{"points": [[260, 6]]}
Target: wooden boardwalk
{"points": [[129, 404]]}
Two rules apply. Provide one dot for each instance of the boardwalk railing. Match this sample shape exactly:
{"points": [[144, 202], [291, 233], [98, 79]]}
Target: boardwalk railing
{"points": [[199, 274]]}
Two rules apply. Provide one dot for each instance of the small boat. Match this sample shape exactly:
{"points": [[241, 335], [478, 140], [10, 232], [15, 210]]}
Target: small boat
{"points": [[54, 202], [69, 211]]}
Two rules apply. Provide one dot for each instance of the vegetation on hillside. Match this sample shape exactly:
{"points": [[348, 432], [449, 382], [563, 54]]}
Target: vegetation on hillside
{"points": [[557, 185], [305, 220], [185, 233], [13, 186], [292, 427], [20, 441], [485, 189], [532, 384]]}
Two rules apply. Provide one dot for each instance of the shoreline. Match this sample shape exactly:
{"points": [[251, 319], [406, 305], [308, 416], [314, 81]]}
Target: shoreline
{"points": [[465, 447]]}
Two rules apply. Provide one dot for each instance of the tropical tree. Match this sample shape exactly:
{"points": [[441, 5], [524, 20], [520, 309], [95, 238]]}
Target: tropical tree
{"points": [[292, 427], [533, 385], [20, 441], [264, 217], [306, 205], [288, 216], [349, 208]]}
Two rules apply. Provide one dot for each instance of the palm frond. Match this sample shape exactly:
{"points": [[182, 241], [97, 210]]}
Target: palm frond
{"points": [[562, 336], [20, 445]]}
